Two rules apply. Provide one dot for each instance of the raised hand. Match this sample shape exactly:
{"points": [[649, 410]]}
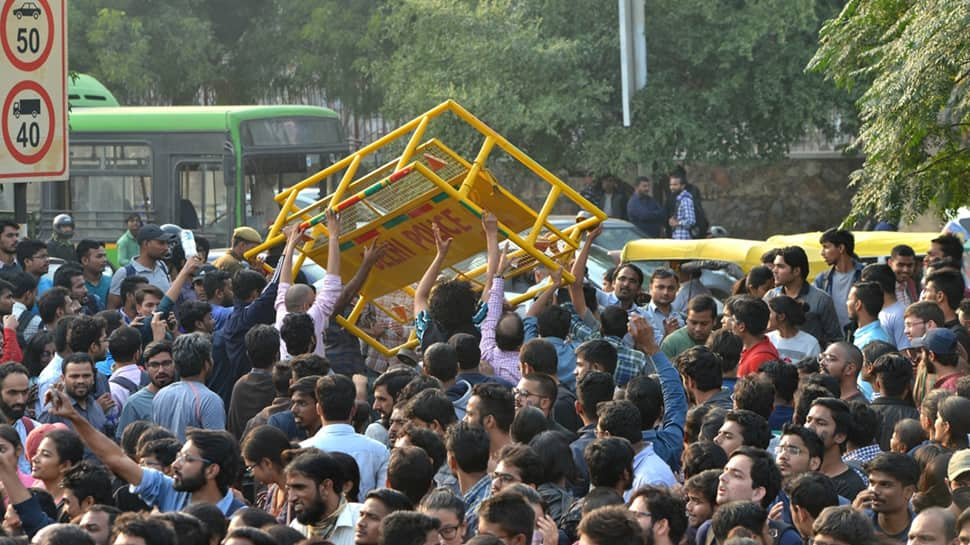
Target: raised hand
{"points": [[442, 245], [489, 222]]}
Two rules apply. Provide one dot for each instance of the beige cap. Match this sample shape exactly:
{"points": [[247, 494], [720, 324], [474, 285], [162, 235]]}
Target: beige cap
{"points": [[959, 464], [248, 234]]}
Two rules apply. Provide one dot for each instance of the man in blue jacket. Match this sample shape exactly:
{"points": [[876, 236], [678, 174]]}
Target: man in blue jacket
{"points": [[644, 211]]}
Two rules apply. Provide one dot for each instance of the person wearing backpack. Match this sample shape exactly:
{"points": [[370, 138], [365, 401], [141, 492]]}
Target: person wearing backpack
{"points": [[682, 217], [124, 344]]}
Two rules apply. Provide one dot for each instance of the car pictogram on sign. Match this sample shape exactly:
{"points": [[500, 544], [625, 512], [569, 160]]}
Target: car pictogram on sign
{"points": [[27, 9], [26, 106]]}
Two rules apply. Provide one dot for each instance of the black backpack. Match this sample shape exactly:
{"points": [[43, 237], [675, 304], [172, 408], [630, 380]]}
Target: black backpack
{"points": [[22, 322], [129, 385], [701, 223]]}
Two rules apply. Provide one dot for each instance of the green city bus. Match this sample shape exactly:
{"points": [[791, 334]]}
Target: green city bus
{"points": [[206, 168]]}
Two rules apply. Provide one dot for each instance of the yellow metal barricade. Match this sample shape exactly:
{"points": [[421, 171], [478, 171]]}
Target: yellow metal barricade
{"points": [[397, 203]]}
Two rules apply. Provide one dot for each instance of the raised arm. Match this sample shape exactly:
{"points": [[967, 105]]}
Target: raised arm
{"points": [[333, 245], [293, 235], [544, 300], [100, 444], [192, 264], [579, 272], [372, 254], [427, 281], [490, 226]]}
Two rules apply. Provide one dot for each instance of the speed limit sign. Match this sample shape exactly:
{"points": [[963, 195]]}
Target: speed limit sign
{"points": [[33, 90]]}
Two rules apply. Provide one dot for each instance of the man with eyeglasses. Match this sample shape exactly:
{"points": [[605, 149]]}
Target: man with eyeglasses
{"points": [[539, 390], [652, 505], [517, 463], [202, 472], [917, 320], [509, 517], [161, 372], [799, 451]]}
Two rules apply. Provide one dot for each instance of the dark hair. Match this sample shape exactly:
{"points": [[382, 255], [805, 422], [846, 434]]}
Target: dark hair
{"points": [[165, 450], [297, 332], [124, 343], [554, 322], [744, 514], [11, 368], [153, 530], [212, 281], [318, 466], [701, 365], [931, 489], [281, 375], [929, 407], [68, 534], [898, 466], [693, 421], [28, 247], [620, 419], [496, 400], [525, 459], [528, 422], [705, 483], [430, 442], [555, 455], [881, 274], [394, 380], [430, 406], [839, 237], [950, 245], [758, 276], [146, 291], [129, 285], [840, 411], [60, 332], [753, 313], [950, 283], [845, 524], [153, 432], [598, 352], [764, 472], [754, 427], [614, 321], [784, 378], [607, 458], [664, 506], [75, 358], [88, 480], [541, 355], [265, 442], [245, 282], [417, 385], [406, 528], [220, 447], [468, 350], [613, 524], [813, 443], [511, 512], [711, 424], [188, 528], [895, 374], [351, 472], [50, 302], [870, 295], [410, 470], [263, 346], [955, 411], [452, 304], [335, 397], [251, 534], [727, 346], [130, 435], [592, 388], [83, 332], [909, 432], [812, 491], [700, 456], [795, 257], [191, 352], [309, 365], [392, 499], [33, 352], [441, 361], [65, 275], [192, 312], [755, 393], [22, 282], [645, 392], [213, 521], [793, 310], [444, 499], [635, 269], [902, 250]]}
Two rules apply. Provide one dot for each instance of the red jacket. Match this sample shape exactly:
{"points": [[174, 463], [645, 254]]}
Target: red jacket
{"points": [[753, 357]]}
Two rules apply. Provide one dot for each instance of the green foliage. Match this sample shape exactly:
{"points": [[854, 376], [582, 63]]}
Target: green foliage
{"points": [[913, 59]]}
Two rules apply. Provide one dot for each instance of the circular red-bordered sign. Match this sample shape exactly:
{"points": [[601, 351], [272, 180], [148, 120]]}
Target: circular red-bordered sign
{"points": [[11, 55], [28, 159]]}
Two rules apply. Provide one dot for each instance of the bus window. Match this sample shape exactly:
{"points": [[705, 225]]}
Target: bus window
{"points": [[108, 182], [203, 200]]}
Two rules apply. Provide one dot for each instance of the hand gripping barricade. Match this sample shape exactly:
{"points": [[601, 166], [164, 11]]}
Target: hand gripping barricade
{"points": [[397, 203]]}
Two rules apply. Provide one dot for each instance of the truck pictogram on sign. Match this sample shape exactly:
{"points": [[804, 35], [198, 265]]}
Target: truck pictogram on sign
{"points": [[26, 106]]}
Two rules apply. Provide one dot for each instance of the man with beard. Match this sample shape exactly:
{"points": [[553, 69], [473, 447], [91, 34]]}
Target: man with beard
{"points": [[218, 293], [902, 260], [303, 405], [831, 419], [892, 482], [14, 392], [379, 504], [153, 243], [467, 448], [682, 216], [791, 278], [799, 451], [701, 313], [315, 484], [203, 471], [652, 505], [386, 389], [843, 361], [491, 407], [161, 372], [9, 237], [188, 402], [78, 381]]}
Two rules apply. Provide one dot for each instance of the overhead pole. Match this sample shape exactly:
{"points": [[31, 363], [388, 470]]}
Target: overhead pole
{"points": [[633, 52]]}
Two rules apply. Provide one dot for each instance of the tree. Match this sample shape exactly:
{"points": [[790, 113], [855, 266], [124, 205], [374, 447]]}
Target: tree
{"points": [[911, 60]]}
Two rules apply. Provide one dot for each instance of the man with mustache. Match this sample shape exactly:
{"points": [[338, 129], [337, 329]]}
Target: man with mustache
{"points": [[78, 381], [315, 484], [161, 372], [892, 482], [14, 391]]}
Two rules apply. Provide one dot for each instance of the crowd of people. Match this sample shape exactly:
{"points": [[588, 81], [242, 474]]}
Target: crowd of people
{"points": [[181, 403]]}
